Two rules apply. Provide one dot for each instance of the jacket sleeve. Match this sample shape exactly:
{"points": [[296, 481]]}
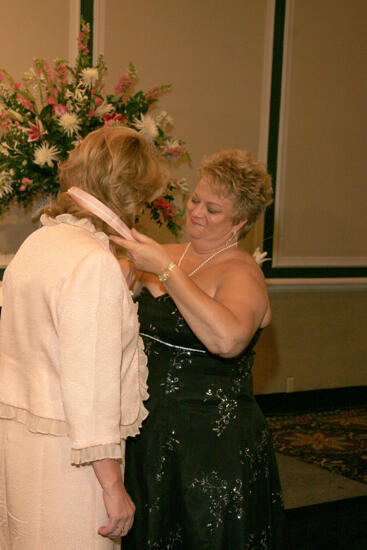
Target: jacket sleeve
{"points": [[90, 323]]}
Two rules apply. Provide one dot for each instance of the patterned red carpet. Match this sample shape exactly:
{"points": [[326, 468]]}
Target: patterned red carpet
{"points": [[335, 440]]}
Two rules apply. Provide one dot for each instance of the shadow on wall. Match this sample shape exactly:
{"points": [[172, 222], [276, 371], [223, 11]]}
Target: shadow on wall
{"points": [[15, 226]]}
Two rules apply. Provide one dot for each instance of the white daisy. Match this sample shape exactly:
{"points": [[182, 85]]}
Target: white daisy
{"points": [[146, 126], [5, 184], [89, 76], [70, 123], [45, 154]]}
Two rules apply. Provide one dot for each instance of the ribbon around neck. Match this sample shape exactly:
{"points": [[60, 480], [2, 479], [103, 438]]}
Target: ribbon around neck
{"points": [[96, 207]]}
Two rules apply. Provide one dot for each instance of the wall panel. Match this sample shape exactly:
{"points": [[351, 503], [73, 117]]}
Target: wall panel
{"points": [[322, 168]]}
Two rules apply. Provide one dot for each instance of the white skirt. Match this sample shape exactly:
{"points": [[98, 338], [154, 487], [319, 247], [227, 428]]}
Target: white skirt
{"points": [[45, 503]]}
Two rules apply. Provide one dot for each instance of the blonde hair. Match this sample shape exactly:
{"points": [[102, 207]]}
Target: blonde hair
{"points": [[118, 167], [234, 174]]}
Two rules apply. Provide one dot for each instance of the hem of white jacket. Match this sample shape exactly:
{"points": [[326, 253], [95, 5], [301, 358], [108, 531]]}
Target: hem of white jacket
{"points": [[59, 428]]}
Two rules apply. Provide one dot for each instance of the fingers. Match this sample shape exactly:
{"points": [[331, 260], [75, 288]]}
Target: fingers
{"points": [[106, 530], [114, 530], [120, 241], [141, 238], [129, 245]]}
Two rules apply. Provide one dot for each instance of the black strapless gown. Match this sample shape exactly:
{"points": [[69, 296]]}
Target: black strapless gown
{"points": [[202, 473]]}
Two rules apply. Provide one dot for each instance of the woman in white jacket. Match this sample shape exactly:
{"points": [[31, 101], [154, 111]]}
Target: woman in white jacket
{"points": [[72, 368]]}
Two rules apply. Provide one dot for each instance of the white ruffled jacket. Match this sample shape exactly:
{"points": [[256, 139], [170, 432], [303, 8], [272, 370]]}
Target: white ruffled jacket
{"points": [[71, 358]]}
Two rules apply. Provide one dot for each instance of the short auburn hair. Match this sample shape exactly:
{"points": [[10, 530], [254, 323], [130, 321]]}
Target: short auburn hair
{"points": [[234, 174]]}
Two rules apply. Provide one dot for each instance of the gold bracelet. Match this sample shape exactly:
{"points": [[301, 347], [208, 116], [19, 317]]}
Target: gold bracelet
{"points": [[167, 272]]}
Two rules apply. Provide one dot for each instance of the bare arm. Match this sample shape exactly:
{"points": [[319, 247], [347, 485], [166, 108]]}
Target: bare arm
{"points": [[119, 506], [226, 322]]}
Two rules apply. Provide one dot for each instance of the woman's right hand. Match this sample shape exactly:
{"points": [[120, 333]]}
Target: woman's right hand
{"points": [[120, 510], [119, 506], [145, 253]]}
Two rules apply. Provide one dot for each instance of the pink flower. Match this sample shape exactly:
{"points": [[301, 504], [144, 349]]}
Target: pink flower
{"points": [[35, 131], [110, 119], [59, 109], [98, 100], [27, 103], [152, 93], [47, 68], [91, 113], [51, 100], [27, 181], [175, 151], [124, 84], [60, 73], [83, 40]]}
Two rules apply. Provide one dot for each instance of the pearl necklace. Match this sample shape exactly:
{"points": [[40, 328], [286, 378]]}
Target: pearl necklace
{"points": [[205, 261]]}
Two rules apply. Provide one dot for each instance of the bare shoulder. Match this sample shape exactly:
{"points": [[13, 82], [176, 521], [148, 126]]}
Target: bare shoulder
{"points": [[243, 280], [241, 263]]}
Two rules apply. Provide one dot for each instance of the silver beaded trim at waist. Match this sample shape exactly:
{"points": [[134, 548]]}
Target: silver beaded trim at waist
{"points": [[171, 345]]}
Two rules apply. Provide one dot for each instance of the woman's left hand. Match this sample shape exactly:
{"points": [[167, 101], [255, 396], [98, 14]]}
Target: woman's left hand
{"points": [[145, 253]]}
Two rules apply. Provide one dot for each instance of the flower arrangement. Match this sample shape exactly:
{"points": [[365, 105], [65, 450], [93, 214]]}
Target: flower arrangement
{"points": [[43, 118]]}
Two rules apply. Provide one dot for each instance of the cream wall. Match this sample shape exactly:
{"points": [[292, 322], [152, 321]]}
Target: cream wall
{"points": [[40, 28], [215, 54], [318, 337], [211, 51]]}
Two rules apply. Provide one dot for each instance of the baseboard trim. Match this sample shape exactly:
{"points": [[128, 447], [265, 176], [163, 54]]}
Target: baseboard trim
{"points": [[312, 400]]}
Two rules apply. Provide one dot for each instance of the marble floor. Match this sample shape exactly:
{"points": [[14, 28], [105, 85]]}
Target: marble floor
{"points": [[305, 484]]}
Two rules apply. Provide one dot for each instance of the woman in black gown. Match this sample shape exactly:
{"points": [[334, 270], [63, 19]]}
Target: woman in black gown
{"points": [[202, 473]]}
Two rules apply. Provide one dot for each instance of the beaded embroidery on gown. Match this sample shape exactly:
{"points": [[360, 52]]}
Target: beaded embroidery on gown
{"points": [[202, 472]]}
